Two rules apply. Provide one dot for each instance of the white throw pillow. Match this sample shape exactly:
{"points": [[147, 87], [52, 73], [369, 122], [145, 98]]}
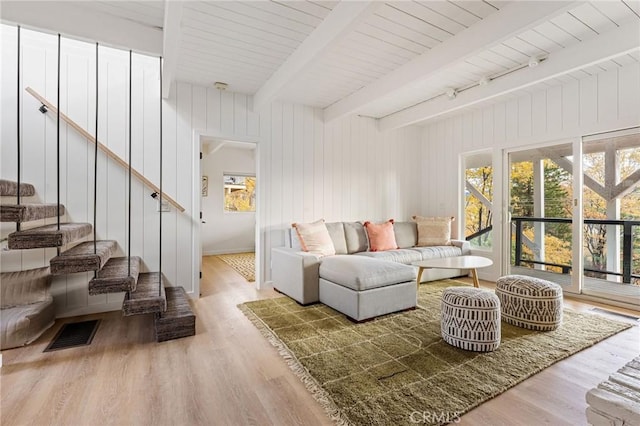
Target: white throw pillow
{"points": [[433, 231], [314, 238]]}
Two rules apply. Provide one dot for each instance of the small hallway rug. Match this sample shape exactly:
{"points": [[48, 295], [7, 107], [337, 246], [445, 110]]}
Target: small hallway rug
{"points": [[381, 371], [243, 263]]}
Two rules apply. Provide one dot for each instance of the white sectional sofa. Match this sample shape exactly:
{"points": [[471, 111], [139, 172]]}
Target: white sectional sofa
{"points": [[296, 273]]}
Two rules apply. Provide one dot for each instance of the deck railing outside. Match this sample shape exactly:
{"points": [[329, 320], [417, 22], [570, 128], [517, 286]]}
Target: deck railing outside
{"points": [[627, 245]]}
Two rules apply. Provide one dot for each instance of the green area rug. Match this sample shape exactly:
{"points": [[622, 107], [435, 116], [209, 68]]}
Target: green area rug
{"points": [[396, 369], [243, 263]]}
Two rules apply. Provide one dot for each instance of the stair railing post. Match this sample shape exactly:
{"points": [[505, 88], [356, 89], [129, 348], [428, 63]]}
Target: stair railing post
{"points": [[58, 146], [160, 199], [95, 171], [129, 236], [19, 132]]}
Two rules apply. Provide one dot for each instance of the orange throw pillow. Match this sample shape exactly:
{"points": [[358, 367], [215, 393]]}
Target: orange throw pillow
{"points": [[381, 236]]}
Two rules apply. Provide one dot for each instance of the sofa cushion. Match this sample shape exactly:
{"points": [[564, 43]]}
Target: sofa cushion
{"points": [[405, 256], [406, 234], [314, 238], [438, 252], [362, 273], [356, 237], [381, 235], [433, 231], [24, 287], [336, 232]]}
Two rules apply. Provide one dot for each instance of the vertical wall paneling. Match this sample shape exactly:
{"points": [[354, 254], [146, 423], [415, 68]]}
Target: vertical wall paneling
{"points": [[213, 108], [239, 114], [571, 105], [524, 116], [554, 109], [628, 89], [298, 145], [307, 165], [539, 113], [608, 95], [184, 162], [318, 161], [589, 100]]}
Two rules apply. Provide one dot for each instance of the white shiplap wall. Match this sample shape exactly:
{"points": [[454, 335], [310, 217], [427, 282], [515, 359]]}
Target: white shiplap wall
{"points": [[605, 101], [346, 170]]}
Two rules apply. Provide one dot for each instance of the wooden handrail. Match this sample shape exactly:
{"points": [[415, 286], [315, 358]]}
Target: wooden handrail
{"points": [[102, 147]]}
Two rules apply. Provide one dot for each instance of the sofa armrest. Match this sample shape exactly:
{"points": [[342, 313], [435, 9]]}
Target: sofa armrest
{"points": [[465, 246], [296, 274]]}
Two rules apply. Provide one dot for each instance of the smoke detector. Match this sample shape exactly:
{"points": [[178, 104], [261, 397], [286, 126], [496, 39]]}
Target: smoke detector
{"points": [[220, 85]]}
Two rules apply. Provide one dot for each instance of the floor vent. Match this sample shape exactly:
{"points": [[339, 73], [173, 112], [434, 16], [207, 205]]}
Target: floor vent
{"points": [[606, 311], [74, 334]]}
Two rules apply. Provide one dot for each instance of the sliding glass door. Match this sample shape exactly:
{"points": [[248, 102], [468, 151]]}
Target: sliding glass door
{"points": [[540, 186], [574, 215], [611, 211]]}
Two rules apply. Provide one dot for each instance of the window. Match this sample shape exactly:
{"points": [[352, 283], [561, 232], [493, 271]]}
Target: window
{"points": [[478, 180], [239, 193]]}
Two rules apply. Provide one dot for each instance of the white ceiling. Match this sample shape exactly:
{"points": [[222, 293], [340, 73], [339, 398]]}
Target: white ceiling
{"points": [[368, 63]]}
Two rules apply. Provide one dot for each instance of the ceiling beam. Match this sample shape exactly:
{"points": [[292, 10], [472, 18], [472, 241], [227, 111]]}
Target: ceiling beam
{"points": [[171, 37], [76, 20], [513, 19], [342, 20], [609, 45]]}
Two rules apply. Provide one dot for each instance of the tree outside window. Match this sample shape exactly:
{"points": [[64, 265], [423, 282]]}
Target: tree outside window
{"points": [[239, 193]]}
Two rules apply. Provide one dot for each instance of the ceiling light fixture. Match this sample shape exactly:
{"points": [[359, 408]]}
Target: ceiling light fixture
{"points": [[451, 93], [534, 61], [484, 81], [220, 85]]}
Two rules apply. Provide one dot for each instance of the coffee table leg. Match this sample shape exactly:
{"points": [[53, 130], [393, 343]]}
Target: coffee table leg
{"points": [[420, 270], [474, 275]]}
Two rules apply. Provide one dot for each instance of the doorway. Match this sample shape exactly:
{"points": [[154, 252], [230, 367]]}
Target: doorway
{"points": [[228, 205]]}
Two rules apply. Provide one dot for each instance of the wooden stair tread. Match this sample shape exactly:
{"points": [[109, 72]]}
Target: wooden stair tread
{"points": [[81, 258], [27, 212], [149, 296], [9, 188], [48, 236], [114, 276], [178, 320]]}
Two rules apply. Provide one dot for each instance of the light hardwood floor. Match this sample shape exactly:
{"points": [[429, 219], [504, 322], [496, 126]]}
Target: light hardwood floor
{"points": [[228, 374]]}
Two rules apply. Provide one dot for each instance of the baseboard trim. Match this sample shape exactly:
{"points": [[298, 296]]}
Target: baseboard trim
{"points": [[228, 251]]}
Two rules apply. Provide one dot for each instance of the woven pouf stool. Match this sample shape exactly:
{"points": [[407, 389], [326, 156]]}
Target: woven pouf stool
{"points": [[529, 302], [471, 319]]}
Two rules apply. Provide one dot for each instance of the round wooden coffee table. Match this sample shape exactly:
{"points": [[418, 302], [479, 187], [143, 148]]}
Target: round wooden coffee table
{"points": [[458, 262]]}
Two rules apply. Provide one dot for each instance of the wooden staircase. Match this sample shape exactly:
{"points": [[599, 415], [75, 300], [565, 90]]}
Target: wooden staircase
{"points": [[144, 292]]}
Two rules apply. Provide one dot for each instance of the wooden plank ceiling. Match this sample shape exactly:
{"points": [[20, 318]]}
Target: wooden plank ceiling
{"points": [[243, 43]]}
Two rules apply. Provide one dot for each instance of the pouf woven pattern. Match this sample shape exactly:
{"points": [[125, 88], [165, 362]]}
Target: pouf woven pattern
{"points": [[471, 319], [530, 302]]}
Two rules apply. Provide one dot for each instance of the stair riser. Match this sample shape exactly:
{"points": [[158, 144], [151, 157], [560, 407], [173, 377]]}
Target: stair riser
{"points": [[25, 243], [48, 236], [101, 286], [141, 307], [175, 328], [23, 213], [10, 189], [89, 263]]}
